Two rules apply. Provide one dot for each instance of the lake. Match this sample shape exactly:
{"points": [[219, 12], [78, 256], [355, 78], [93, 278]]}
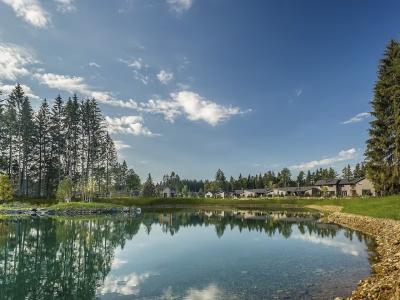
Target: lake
{"points": [[194, 255]]}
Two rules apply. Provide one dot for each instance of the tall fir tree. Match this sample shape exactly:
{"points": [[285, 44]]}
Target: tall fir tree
{"points": [[43, 149], [27, 134], [57, 135], [383, 146]]}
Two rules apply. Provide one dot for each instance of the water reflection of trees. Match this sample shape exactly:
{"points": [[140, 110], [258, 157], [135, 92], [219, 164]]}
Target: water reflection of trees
{"points": [[63, 259], [270, 224], [70, 258]]}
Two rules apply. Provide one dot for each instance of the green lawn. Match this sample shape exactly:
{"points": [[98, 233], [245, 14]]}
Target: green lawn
{"points": [[380, 207], [81, 205], [57, 206]]}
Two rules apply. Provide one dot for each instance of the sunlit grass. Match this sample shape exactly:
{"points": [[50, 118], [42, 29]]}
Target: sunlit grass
{"points": [[379, 207]]}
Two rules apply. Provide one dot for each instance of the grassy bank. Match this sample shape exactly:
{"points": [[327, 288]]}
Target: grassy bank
{"points": [[55, 206], [379, 207]]}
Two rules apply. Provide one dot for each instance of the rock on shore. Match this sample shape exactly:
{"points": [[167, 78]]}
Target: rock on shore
{"points": [[384, 283]]}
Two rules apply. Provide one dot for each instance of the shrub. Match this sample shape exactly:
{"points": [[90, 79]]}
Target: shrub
{"points": [[64, 190], [6, 190]]}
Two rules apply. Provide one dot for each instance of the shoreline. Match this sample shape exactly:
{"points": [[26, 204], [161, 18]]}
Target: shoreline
{"points": [[118, 209], [384, 282]]}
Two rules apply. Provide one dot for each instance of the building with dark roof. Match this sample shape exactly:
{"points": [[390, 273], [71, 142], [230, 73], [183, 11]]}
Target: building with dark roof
{"points": [[356, 187], [346, 187], [251, 193], [307, 191]]}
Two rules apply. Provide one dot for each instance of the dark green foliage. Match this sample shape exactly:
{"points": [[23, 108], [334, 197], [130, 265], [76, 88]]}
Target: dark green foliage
{"points": [[347, 173], [383, 147], [38, 150], [149, 189]]}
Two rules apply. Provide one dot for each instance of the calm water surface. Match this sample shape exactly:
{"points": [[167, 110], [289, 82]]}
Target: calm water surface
{"points": [[181, 255]]}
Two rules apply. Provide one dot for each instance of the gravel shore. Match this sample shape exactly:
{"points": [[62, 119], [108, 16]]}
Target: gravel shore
{"points": [[384, 283]]}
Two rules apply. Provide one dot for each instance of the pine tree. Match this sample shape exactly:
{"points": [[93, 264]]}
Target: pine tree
{"points": [[27, 135], [3, 137], [149, 189], [347, 173], [300, 178], [72, 137], [43, 144], [383, 147], [284, 177], [309, 178], [220, 179], [132, 180], [110, 161], [12, 130], [57, 136]]}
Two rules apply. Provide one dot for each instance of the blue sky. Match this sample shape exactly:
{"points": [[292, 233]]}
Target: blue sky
{"points": [[197, 85]]}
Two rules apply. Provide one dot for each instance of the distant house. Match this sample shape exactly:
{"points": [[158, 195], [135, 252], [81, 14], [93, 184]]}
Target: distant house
{"points": [[279, 192], [209, 194], [302, 191], [169, 192], [356, 187], [220, 194], [346, 187], [308, 191], [256, 193], [328, 187], [251, 193], [216, 194], [238, 193]]}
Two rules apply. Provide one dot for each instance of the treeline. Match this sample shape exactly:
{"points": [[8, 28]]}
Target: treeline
{"points": [[282, 178], [269, 179], [38, 149], [359, 171]]}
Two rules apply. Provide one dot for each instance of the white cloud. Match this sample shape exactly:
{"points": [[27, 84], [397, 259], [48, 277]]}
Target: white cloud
{"points": [[164, 77], [13, 61], [299, 92], [93, 64], [170, 109], [197, 108], [7, 88], [128, 125], [31, 11], [187, 103], [72, 84], [180, 6], [342, 156], [76, 84], [139, 69], [124, 285], [117, 262], [343, 247], [193, 106], [65, 6], [357, 118], [209, 293], [119, 145], [141, 77], [136, 64]]}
